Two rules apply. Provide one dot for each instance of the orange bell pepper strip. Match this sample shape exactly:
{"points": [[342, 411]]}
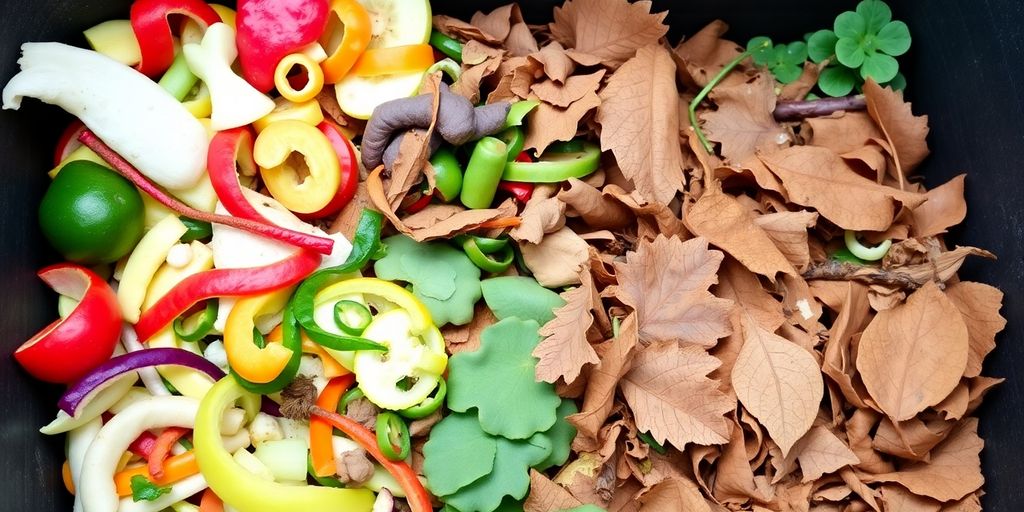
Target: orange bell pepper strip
{"points": [[250, 362], [321, 447], [397, 59], [162, 448], [354, 39], [65, 473], [176, 468], [210, 502]]}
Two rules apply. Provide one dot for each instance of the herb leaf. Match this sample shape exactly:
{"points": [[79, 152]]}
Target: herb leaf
{"points": [[457, 437], [822, 45], [144, 490]]}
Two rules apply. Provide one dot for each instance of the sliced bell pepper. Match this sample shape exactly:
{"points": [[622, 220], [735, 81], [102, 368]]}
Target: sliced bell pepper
{"points": [[348, 163], [210, 502], [176, 468], [68, 142], [429, 405], [235, 485], [234, 282], [255, 364], [321, 447], [143, 263], [115, 39], [556, 166], [521, 192], [285, 180], [162, 448], [270, 29], [67, 349], [447, 175], [153, 30], [356, 32], [308, 112], [484, 259], [446, 45], [394, 60], [314, 78], [230, 150], [332, 368]]}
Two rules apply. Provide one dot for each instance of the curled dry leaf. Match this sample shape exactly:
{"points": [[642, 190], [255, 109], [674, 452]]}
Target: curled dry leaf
{"points": [[565, 350], [556, 261], [616, 357], [819, 452], [547, 496], [673, 306], [498, 23], [740, 285], [912, 356], [574, 88], [543, 214], [979, 304], [454, 27], [841, 132], [596, 209], [798, 89], [611, 30], [743, 121], [548, 123], [778, 382], [904, 131], [944, 208], [674, 494], [788, 230], [705, 53], [555, 61], [818, 178], [639, 117], [671, 397]]}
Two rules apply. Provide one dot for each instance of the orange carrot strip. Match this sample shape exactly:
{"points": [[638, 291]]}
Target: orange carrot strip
{"points": [[321, 447], [210, 502], [65, 472], [162, 448], [176, 468]]}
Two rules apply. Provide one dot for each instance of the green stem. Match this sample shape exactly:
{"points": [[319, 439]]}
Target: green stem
{"points": [[707, 89]]}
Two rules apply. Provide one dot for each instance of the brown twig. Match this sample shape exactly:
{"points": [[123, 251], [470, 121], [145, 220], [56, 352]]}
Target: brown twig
{"points": [[797, 110], [832, 270]]}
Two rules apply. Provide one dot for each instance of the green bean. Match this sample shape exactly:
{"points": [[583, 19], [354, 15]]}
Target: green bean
{"points": [[483, 173]]}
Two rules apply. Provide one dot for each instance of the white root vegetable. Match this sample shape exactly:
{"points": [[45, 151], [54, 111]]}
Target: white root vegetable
{"points": [[130, 112], [79, 440], [263, 428], [103, 399], [235, 102]]}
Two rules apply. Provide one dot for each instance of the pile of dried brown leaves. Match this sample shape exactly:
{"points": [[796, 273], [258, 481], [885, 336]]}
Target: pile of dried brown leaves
{"points": [[704, 309]]}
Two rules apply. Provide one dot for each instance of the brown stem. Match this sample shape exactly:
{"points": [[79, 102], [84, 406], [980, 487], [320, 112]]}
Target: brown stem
{"points": [[832, 270], [797, 110]]}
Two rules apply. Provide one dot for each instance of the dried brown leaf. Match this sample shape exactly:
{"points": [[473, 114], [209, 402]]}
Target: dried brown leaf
{"points": [[466, 338], [544, 213], [730, 226], [574, 88], [842, 132], [597, 210], [520, 41], [673, 306], [609, 29], [819, 178], [555, 61], [944, 208], [616, 360], [705, 54], [898, 499], [639, 117], [498, 22], [904, 131], [788, 230], [547, 496], [548, 123], [740, 285], [556, 261], [743, 121], [565, 350], [820, 452], [671, 397], [674, 494], [653, 218], [911, 357], [838, 360], [778, 382], [454, 27], [911, 439], [798, 89], [979, 304]]}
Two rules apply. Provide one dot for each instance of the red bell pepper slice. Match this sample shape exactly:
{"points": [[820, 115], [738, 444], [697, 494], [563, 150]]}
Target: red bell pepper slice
{"points": [[68, 141], [153, 30], [268, 30], [349, 171], [227, 149], [143, 445], [225, 282], [521, 191], [68, 349]]}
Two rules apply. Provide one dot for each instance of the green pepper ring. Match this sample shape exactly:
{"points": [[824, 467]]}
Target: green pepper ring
{"points": [[292, 340], [428, 406], [387, 424], [485, 261], [204, 324], [558, 166], [347, 310]]}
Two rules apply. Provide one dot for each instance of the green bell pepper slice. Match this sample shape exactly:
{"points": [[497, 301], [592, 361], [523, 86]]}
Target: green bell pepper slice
{"points": [[447, 174], [446, 45], [556, 166]]}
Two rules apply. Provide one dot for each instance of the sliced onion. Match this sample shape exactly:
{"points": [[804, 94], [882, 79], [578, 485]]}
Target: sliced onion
{"points": [[385, 501], [77, 394]]}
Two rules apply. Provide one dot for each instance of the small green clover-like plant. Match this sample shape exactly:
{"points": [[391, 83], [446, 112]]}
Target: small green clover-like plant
{"points": [[443, 278], [785, 61], [498, 380]]}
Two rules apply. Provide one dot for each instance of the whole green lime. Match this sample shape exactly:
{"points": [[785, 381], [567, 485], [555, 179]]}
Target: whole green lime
{"points": [[91, 214]]}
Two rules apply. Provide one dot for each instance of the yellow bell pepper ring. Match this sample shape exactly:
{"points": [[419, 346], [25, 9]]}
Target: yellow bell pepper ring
{"points": [[305, 185], [252, 363], [308, 112], [241, 489], [314, 77], [410, 370], [371, 288]]}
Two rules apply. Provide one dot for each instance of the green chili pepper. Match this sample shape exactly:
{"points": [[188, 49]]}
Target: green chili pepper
{"points": [[291, 339], [448, 67], [350, 396], [655, 445], [515, 139], [393, 436], [863, 252], [446, 45], [557, 166], [517, 113], [365, 245], [843, 255], [428, 406], [351, 316], [197, 230], [178, 80], [485, 261], [483, 173], [569, 146], [198, 325], [447, 174]]}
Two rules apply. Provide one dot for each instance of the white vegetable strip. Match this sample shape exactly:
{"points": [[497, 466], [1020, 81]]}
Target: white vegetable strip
{"points": [[150, 377], [179, 491], [104, 398], [130, 112], [79, 441], [235, 102]]}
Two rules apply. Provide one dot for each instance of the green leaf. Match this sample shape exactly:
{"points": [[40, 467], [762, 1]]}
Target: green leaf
{"points": [[894, 39], [879, 66], [761, 50], [520, 297], [510, 476], [498, 379], [850, 25], [850, 53], [507, 505], [822, 45], [787, 73], [458, 437], [876, 14], [795, 54], [144, 490], [898, 84], [560, 435], [837, 81], [443, 278]]}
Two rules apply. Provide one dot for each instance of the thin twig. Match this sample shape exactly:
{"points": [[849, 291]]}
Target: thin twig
{"points": [[797, 110], [832, 270], [707, 89]]}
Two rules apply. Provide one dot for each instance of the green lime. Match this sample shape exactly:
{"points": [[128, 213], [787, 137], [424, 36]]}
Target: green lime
{"points": [[91, 214]]}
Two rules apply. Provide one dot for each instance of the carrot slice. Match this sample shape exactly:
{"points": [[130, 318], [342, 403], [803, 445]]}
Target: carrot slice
{"points": [[321, 447]]}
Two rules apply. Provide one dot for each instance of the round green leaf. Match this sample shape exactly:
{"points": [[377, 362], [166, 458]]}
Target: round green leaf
{"points": [[458, 437], [850, 53], [822, 45], [520, 297], [850, 25], [560, 435], [876, 14], [499, 381], [510, 477], [795, 54], [898, 84], [761, 50], [787, 73], [894, 39], [837, 81], [880, 67]]}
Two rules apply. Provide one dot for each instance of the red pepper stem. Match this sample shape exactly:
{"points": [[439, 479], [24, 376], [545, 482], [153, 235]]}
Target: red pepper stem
{"points": [[304, 240]]}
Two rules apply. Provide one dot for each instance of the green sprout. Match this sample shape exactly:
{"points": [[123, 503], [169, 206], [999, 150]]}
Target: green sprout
{"points": [[785, 61]]}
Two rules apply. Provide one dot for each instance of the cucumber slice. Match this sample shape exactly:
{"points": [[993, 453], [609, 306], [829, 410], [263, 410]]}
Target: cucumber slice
{"points": [[358, 96], [398, 22]]}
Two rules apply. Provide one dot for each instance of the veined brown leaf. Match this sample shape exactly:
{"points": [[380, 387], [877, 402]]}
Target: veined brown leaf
{"points": [[616, 360], [548, 123], [565, 350], [979, 304], [674, 494], [788, 230], [609, 29], [820, 452], [547, 496], [778, 382], [944, 208], [905, 132], [743, 122], [912, 356]]}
